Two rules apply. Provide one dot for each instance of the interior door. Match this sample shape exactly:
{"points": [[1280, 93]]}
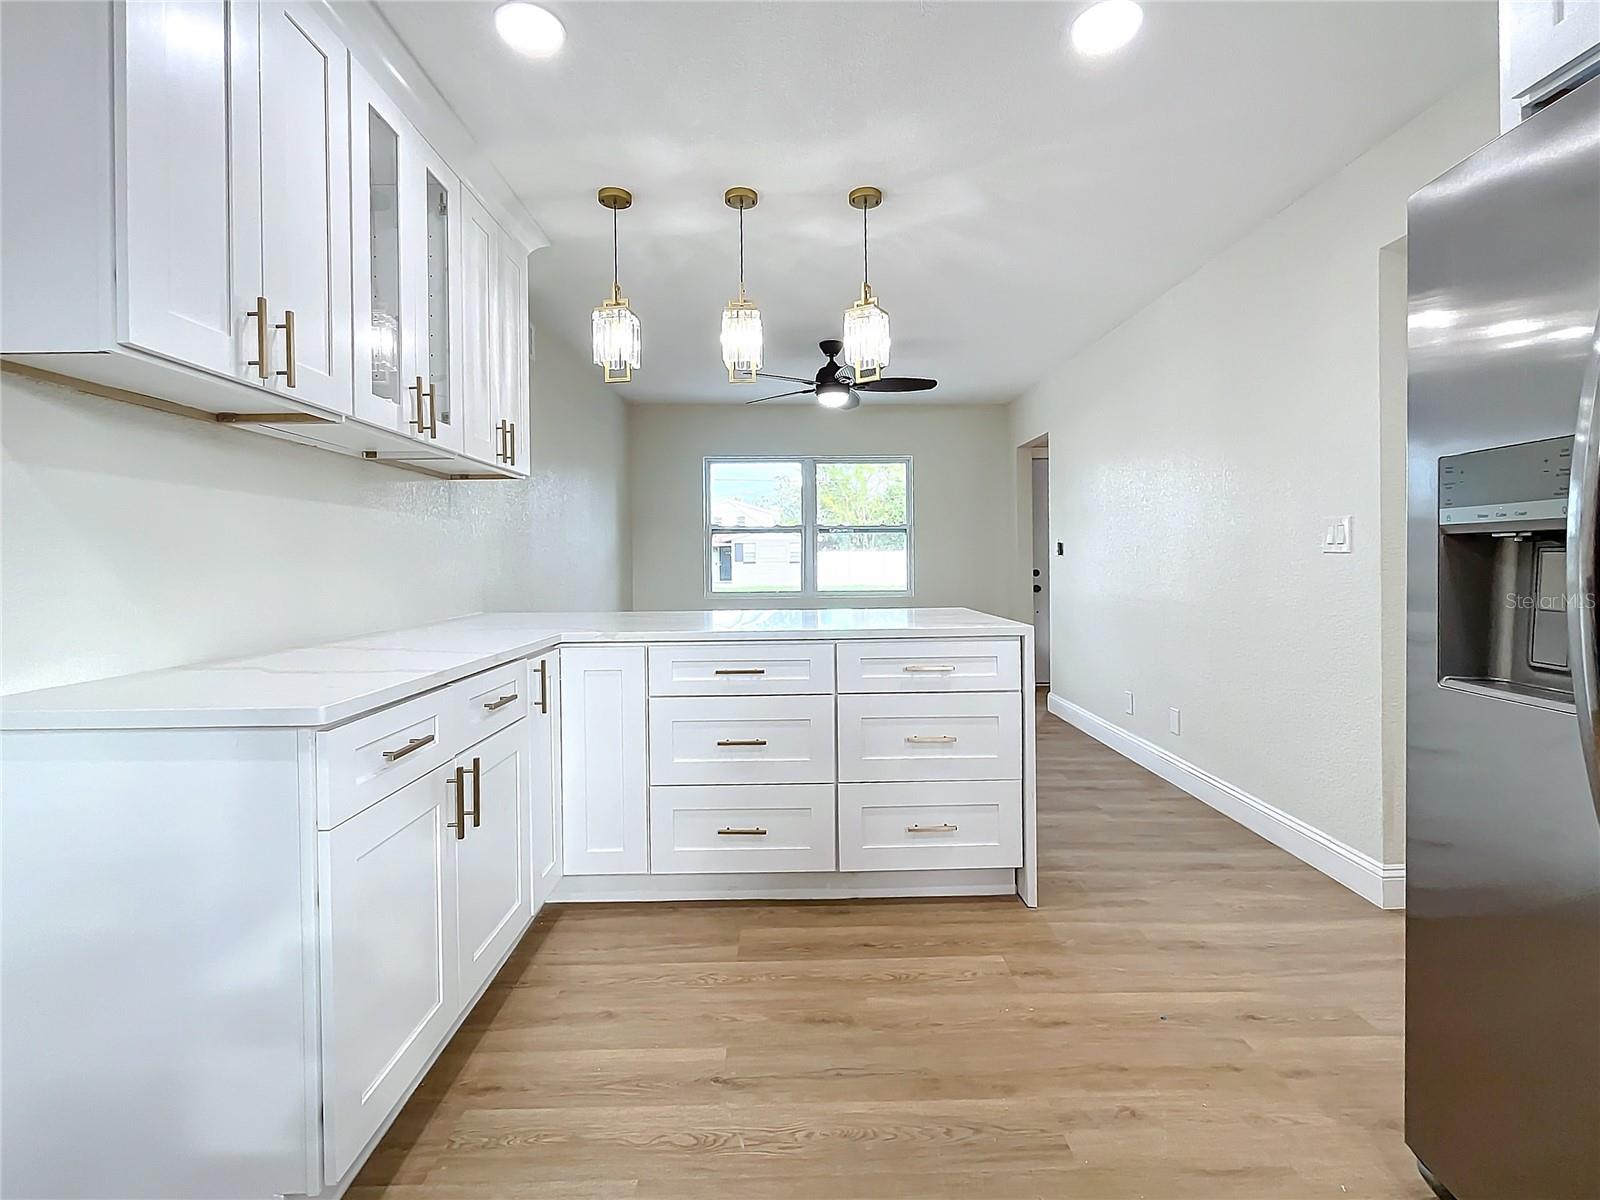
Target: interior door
{"points": [[482, 435], [388, 960], [1041, 570], [434, 193], [305, 204], [492, 878], [544, 718], [177, 254], [383, 324]]}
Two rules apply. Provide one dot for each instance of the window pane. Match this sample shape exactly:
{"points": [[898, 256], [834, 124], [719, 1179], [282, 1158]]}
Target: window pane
{"points": [[754, 494], [862, 493], [862, 562], [755, 562]]}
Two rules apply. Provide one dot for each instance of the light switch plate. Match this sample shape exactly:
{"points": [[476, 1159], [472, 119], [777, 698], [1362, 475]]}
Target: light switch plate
{"points": [[1174, 721], [1336, 536]]}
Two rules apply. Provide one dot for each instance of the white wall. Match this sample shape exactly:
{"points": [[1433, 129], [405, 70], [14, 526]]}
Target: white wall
{"points": [[1196, 450], [961, 493], [134, 540]]}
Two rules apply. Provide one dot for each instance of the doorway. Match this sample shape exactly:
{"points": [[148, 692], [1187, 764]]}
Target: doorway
{"points": [[1040, 581]]}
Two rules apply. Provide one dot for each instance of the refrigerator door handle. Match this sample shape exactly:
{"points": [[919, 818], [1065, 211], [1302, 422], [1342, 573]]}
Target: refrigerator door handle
{"points": [[1583, 520]]}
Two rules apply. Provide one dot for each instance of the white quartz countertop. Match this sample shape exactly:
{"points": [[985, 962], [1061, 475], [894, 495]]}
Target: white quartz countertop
{"points": [[327, 684]]}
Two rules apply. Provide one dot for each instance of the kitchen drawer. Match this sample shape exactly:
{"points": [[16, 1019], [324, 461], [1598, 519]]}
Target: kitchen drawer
{"points": [[362, 761], [741, 739], [884, 739], [947, 665], [913, 826], [486, 703], [785, 827], [765, 669]]}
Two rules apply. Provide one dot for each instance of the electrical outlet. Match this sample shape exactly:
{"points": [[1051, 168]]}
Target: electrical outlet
{"points": [[1174, 721], [1127, 703], [1060, 549]]}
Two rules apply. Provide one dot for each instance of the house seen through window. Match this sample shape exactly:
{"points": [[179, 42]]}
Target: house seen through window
{"points": [[804, 526]]}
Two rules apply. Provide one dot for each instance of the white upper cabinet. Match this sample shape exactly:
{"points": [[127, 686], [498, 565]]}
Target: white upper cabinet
{"points": [[482, 423], [407, 286], [511, 350], [177, 268], [305, 203], [213, 203], [1545, 46]]}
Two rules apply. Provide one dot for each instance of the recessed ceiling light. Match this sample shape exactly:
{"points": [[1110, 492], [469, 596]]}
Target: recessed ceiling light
{"points": [[529, 29], [1106, 27]]}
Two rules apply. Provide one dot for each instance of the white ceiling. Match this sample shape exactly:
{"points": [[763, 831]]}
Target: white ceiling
{"points": [[1032, 200]]}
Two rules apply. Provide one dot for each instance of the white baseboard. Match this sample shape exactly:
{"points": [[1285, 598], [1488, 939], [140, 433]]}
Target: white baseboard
{"points": [[797, 885], [1383, 884]]}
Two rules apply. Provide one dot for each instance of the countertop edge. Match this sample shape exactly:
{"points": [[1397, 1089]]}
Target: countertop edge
{"points": [[194, 720]]}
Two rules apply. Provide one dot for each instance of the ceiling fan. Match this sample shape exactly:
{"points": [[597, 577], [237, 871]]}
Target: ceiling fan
{"points": [[833, 386]]}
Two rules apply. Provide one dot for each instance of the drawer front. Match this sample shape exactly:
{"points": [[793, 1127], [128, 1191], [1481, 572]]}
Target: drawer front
{"points": [[768, 669], [362, 761], [788, 827], [744, 739], [885, 739], [949, 665], [913, 826], [487, 703]]}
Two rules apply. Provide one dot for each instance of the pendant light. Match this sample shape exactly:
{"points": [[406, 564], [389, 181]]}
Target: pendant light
{"points": [[866, 325], [741, 320], [615, 328]]}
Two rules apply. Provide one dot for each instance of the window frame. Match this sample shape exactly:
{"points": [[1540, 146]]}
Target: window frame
{"points": [[809, 528]]}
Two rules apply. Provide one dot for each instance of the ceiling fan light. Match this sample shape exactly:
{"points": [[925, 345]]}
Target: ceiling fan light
{"points": [[741, 340], [866, 337], [833, 395], [616, 339]]}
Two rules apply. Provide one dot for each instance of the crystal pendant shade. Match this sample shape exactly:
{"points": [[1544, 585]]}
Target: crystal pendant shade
{"points": [[616, 339], [741, 340], [866, 337]]}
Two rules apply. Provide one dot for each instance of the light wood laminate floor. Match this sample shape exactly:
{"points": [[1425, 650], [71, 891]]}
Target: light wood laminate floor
{"points": [[1189, 1014]]}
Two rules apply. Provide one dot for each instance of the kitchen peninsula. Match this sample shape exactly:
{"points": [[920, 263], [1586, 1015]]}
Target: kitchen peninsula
{"points": [[260, 895]]}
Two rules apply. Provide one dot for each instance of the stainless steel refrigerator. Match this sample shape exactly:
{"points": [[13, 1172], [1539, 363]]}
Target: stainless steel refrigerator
{"points": [[1502, 798]]}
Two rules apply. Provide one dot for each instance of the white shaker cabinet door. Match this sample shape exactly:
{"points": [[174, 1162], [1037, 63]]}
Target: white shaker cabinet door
{"points": [[176, 269], [604, 791], [544, 721], [482, 424], [491, 854], [305, 204], [511, 348], [389, 991], [434, 193]]}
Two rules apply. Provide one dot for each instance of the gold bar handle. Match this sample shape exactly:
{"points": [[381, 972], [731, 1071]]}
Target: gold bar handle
{"points": [[417, 422], [259, 362], [740, 671], [544, 688], [929, 668], [433, 413], [930, 828], [410, 747], [491, 705], [743, 742], [511, 442], [932, 739], [477, 789], [460, 785], [288, 346], [754, 831], [500, 441]]}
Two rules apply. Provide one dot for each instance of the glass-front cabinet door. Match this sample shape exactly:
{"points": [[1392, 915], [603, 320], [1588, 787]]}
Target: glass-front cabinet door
{"points": [[381, 145], [438, 286]]}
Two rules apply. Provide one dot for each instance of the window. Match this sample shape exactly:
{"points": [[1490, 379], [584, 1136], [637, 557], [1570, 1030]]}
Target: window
{"points": [[808, 526]]}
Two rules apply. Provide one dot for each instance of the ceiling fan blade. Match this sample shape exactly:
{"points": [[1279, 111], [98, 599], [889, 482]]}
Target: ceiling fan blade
{"points": [[781, 395], [785, 378], [899, 383]]}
